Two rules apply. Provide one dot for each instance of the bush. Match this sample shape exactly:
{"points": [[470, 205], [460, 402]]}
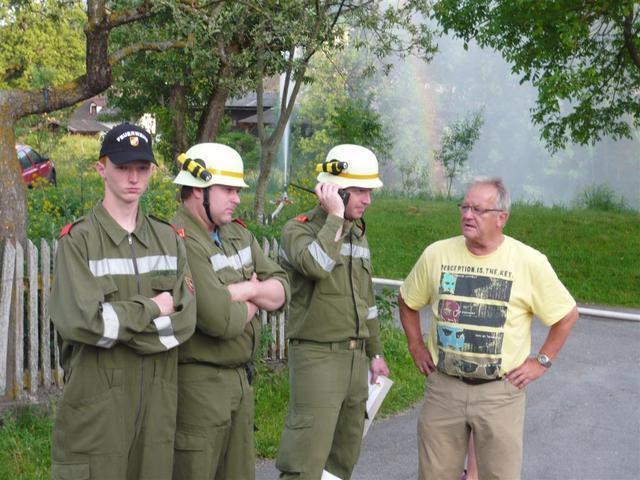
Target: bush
{"points": [[601, 197]]}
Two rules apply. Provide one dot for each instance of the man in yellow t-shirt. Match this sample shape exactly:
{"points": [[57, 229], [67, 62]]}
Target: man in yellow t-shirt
{"points": [[484, 289]]}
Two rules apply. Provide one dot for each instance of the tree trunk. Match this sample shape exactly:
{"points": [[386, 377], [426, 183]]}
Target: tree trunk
{"points": [[13, 193], [209, 124], [266, 161], [270, 145], [178, 106]]}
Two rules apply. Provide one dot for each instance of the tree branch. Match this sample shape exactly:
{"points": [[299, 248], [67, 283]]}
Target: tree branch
{"points": [[117, 56], [629, 39], [122, 17]]}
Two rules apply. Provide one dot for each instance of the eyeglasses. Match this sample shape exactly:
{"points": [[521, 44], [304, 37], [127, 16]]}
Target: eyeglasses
{"points": [[477, 211]]}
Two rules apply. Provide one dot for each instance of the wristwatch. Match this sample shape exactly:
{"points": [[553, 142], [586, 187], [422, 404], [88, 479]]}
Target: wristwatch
{"points": [[543, 360]]}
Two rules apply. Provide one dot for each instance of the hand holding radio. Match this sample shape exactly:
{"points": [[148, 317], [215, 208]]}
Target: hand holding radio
{"points": [[330, 199]]}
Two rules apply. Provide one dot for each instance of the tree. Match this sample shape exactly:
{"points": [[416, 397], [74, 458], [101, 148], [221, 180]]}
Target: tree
{"points": [[323, 25], [18, 102], [187, 90], [457, 142], [583, 58], [41, 42], [248, 42], [337, 106]]}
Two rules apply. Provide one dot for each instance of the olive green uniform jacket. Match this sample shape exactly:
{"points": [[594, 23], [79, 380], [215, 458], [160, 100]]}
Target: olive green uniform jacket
{"points": [[222, 337], [332, 296], [214, 438], [117, 350]]}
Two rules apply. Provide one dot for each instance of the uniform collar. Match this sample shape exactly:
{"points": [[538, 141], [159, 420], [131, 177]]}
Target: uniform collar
{"points": [[116, 232], [195, 229]]}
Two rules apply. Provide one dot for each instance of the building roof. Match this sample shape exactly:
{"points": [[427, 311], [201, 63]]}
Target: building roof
{"points": [[85, 118], [268, 116], [250, 101]]}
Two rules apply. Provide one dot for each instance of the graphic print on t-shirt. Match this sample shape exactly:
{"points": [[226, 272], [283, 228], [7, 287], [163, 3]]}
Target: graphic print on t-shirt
{"points": [[472, 311]]}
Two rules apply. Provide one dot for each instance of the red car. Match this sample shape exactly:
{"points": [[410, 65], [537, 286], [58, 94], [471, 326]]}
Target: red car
{"points": [[35, 165]]}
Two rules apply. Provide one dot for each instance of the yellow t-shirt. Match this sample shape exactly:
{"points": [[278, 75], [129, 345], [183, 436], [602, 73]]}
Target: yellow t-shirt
{"points": [[482, 306]]}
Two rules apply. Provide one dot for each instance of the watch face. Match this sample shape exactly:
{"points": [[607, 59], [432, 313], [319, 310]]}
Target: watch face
{"points": [[544, 360]]}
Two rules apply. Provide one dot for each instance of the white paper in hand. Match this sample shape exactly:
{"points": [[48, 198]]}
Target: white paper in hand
{"points": [[328, 476], [377, 392]]}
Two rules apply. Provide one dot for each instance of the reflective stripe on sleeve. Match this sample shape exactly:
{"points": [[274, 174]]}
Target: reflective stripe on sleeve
{"points": [[372, 313], [124, 266], [358, 251], [110, 327], [319, 255], [165, 329], [236, 262], [283, 254]]}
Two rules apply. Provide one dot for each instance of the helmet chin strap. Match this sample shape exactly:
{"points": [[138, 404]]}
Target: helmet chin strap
{"points": [[205, 204]]}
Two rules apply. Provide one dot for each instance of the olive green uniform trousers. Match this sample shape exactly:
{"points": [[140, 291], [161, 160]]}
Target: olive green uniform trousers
{"points": [[116, 419], [327, 404], [216, 419]]}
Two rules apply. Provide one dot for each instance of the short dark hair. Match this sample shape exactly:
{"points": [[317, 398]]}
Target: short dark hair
{"points": [[185, 192]]}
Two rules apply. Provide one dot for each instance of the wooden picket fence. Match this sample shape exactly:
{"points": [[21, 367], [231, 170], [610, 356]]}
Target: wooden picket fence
{"points": [[29, 356], [29, 365]]}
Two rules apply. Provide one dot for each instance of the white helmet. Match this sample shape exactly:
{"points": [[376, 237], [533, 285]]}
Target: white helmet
{"points": [[207, 164], [361, 170]]}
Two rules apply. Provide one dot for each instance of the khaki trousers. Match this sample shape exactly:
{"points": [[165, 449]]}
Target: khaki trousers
{"points": [[327, 401], [214, 437], [452, 409]]}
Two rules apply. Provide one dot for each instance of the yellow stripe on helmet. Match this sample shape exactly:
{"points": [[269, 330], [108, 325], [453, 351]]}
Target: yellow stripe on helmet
{"points": [[225, 173], [358, 177]]}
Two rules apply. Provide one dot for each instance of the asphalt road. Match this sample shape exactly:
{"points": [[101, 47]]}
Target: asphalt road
{"points": [[582, 419]]}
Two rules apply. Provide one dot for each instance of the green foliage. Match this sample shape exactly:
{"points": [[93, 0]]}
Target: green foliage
{"points": [[582, 57], [246, 145], [272, 396], [79, 187], [239, 44], [355, 121], [456, 145], [25, 444], [337, 107], [601, 198], [42, 43]]}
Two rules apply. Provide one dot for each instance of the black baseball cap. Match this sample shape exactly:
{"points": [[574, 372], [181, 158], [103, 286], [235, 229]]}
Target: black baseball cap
{"points": [[126, 143]]}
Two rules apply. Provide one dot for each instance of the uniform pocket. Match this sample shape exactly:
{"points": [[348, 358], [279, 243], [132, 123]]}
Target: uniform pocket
{"points": [[296, 443], [163, 283], [92, 425], [70, 471], [191, 457], [203, 401]]}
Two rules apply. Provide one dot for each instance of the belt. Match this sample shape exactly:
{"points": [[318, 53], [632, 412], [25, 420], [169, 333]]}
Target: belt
{"points": [[477, 381], [351, 344]]}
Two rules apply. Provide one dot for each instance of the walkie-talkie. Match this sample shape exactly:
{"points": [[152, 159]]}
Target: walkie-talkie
{"points": [[344, 195]]}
